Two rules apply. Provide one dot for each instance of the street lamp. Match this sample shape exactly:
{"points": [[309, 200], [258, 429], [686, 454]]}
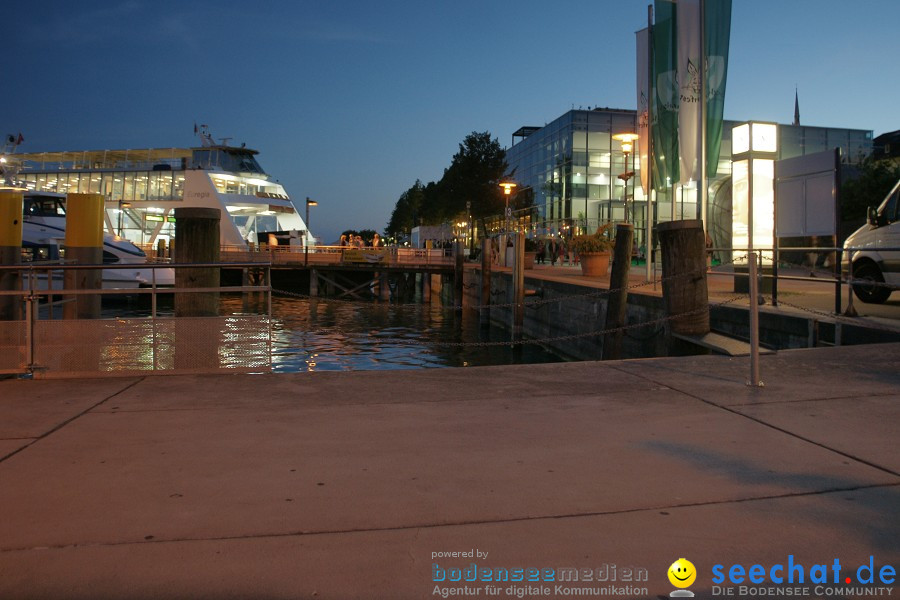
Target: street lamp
{"points": [[507, 190], [627, 140], [306, 240]]}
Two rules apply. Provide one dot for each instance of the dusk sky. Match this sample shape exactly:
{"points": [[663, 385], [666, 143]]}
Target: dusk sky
{"points": [[350, 102]]}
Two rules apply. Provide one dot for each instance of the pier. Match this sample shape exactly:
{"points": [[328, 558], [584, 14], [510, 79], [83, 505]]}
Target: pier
{"points": [[345, 485]]}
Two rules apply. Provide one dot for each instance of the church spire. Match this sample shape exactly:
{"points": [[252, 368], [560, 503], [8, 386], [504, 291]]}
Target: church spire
{"points": [[796, 108]]}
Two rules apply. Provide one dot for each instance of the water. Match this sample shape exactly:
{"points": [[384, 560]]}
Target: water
{"points": [[333, 335], [328, 335]]}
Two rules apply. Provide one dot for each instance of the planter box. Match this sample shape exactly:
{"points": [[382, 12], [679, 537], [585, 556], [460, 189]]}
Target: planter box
{"points": [[595, 264]]}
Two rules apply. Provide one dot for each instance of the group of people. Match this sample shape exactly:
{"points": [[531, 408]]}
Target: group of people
{"points": [[555, 249], [550, 250], [356, 241]]}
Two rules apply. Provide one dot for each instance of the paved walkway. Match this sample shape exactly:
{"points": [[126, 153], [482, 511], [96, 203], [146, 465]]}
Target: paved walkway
{"points": [[347, 485], [801, 295]]}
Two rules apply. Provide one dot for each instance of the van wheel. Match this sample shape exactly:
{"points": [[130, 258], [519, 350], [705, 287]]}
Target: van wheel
{"points": [[872, 294]]}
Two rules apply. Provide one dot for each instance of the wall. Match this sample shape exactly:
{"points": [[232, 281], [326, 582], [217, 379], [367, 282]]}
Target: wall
{"points": [[559, 310]]}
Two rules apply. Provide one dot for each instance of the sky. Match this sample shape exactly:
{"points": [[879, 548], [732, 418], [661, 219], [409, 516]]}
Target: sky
{"points": [[350, 102]]}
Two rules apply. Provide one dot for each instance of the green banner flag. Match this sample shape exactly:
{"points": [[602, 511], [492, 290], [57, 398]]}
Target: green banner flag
{"points": [[665, 96], [718, 30]]}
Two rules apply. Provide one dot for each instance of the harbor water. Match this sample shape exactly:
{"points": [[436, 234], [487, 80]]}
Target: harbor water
{"points": [[329, 335]]}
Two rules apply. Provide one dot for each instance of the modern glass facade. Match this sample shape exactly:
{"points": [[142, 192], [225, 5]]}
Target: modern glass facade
{"points": [[571, 167]]}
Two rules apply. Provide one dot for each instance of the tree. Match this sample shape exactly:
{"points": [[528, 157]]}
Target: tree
{"points": [[473, 176], [875, 180], [408, 211]]}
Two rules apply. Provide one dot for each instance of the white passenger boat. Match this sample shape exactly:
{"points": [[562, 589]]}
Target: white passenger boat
{"points": [[144, 187], [43, 240]]}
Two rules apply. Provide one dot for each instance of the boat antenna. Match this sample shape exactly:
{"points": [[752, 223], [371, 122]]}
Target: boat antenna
{"points": [[206, 139]]}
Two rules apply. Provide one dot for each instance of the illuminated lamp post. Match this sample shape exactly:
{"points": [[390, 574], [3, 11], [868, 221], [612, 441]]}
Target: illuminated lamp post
{"points": [[507, 190], [627, 140], [753, 152], [306, 237], [754, 147]]}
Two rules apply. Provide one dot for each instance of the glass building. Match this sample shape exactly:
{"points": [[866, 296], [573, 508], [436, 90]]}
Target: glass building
{"points": [[571, 169]]}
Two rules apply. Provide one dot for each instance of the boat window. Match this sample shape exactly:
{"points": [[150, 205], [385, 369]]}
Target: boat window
{"points": [[109, 257], [35, 253], [44, 207]]}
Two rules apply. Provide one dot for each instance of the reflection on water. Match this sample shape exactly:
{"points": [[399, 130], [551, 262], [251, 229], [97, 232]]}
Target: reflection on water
{"points": [[323, 335]]}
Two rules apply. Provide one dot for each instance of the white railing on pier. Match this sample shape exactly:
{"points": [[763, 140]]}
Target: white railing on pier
{"points": [[338, 255]]}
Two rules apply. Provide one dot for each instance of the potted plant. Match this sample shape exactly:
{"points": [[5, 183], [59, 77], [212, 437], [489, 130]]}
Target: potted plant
{"points": [[594, 251]]}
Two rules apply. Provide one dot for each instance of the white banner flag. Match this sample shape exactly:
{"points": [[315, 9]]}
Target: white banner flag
{"points": [[643, 104], [688, 23]]}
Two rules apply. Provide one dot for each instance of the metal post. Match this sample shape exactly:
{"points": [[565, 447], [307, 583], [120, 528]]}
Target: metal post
{"points": [[648, 240], [306, 237], [774, 234], [703, 198], [485, 312], [754, 324], [153, 294], [29, 326], [836, 262]]}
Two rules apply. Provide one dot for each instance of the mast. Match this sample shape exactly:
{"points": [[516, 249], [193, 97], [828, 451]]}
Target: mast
{"points": [[704, 184], [651, 98]]}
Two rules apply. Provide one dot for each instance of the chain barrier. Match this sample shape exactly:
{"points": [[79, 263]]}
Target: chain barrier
{"points": [[600, 293], [560, 338], [837, 318]]}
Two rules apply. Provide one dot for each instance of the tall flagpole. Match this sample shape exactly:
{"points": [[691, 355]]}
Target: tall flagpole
{"points": [[704, 185], [648, 237]]}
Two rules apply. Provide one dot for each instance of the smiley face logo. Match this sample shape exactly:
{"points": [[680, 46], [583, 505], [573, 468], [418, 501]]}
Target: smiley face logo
{"points": [[682, 573]]}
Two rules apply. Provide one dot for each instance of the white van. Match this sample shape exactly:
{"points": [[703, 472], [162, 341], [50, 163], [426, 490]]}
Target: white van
{"points": [[876, 251]]}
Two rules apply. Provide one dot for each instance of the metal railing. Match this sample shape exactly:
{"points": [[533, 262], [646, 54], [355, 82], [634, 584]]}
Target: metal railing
{"points": [[38, 340], [774, 264], [337, 255]]}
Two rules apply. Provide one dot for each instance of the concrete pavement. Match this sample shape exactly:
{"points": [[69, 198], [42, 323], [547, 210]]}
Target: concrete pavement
{"points": [[348, 485]]}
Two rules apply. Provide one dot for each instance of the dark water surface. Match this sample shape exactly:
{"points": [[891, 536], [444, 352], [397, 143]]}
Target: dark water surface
{"points": [[328, 335], [333, 335]]}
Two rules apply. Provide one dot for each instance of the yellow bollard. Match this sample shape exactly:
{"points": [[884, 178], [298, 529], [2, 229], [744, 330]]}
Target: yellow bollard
{"points": [[84, 246], [10, 253]]}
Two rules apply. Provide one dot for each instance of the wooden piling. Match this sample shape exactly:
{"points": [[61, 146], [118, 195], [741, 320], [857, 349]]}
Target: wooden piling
{"points": [[197, 241], [458, 258], [683, 245], [518, 286], [618, 297]]}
